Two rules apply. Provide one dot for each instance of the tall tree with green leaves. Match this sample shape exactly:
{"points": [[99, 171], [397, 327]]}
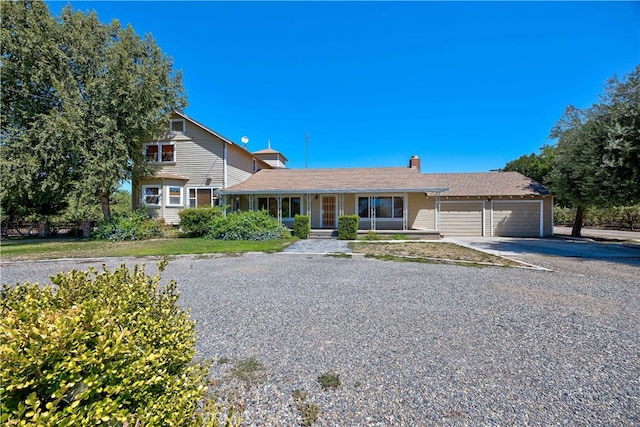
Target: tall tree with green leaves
{"points": [[597, 159], [111, 90], [36, 155]]}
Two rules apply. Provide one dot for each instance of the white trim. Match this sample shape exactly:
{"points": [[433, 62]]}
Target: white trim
{"points": [[172, 121], [553, 220], [224, 166], [482, 214], [539, 201], [159, 195], [201, 187], [168, 193], [160, 144]]}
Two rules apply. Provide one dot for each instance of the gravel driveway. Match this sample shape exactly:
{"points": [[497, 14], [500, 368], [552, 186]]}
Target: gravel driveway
{"points": [[413, 344]]}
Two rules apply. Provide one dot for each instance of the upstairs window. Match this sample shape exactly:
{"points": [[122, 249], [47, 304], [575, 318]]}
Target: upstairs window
{"points": [[160, 152], [177, 126]]}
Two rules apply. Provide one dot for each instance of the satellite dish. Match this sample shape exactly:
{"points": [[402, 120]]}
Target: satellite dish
{"points": [[244, 141]]}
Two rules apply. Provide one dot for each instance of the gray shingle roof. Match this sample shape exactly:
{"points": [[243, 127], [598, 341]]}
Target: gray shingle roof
{"points": [[398, 179]]}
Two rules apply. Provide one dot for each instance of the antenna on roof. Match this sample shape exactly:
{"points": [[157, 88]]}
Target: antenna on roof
{"points": [[268, 143], [306, 158], [244, 141]]}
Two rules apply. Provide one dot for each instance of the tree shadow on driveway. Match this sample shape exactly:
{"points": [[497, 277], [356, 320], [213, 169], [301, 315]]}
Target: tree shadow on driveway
{"points": [[554, 247]]}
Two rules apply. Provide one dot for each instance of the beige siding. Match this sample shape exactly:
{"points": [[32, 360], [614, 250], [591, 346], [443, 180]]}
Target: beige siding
{"points": [[350, 204], [516, 218], [460, 218], [239, 165], [421, 212]]}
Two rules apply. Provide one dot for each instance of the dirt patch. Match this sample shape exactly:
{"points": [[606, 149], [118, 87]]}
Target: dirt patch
{"points": [[430, 251]]}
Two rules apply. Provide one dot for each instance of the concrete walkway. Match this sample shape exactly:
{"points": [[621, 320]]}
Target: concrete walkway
{"points": [[319, 247]]}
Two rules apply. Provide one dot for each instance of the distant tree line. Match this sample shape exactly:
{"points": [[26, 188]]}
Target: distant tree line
{"points": [[596, 161]]}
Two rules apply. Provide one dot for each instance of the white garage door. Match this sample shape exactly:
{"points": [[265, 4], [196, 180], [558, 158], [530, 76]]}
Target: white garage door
{"points": [[460, 218], [516, 219]]}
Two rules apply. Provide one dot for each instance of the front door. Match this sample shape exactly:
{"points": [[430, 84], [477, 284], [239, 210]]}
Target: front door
{"points": [[328, 212]]}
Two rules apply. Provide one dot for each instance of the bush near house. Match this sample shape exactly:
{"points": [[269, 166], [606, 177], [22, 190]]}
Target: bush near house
{"points": [[250, 225], [134, 226], [195, 222], [106, 347], [614, 217], [301, 226], [348, 227]]}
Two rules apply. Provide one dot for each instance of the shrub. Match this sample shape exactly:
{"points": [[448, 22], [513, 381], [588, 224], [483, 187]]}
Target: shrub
{"points": [[134, 226], [100, 347], [251, 225], [195, 222], [348, 227], [301, 226]]}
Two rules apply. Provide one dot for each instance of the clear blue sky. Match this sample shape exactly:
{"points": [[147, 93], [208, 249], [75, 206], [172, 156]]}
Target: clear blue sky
{"points": [[467, 86]]}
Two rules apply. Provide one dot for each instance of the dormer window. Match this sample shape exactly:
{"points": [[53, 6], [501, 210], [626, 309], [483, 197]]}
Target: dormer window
{"points": [[254, 166], [160, 152], [177, 126]]}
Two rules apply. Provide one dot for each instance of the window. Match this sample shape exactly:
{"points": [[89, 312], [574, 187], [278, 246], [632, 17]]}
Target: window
{"points": [[151, 195], [202, 197], [385, 207], [177, 126], [254, 166], [160, 152], [291, 206], [174, 196]]}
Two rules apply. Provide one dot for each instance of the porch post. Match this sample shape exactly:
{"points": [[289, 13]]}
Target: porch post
{"points": [[251, 202], [279, 208], [405, 212]]}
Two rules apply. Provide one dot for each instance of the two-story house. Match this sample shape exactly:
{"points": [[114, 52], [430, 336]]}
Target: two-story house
{"points": [[198, 167]]}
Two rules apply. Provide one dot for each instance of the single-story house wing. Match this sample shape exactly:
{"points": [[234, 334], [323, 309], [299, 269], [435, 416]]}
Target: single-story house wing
{"points": [[401, 198]]}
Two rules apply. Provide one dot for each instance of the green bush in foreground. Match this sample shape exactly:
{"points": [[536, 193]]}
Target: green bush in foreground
{"points": [[301, 226], [249, 225], [106, 347], [348, 227], [134, 226], [195, 222]]}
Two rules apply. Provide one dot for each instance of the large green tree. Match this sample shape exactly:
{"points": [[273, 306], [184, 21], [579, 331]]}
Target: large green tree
{"points": [[597, 159], [104, 92]]}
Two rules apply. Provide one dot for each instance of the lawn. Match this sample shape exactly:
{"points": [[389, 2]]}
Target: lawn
{"points": [[429, 252], [33, 249]]}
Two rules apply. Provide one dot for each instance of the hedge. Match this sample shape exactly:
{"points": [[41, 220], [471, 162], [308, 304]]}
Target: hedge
{"points": [[195, 222], [107, 347], [249, 225], [301, 226], [348, 227]]}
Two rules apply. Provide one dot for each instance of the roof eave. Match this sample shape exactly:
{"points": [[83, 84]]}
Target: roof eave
{"points": [[224, 192]]}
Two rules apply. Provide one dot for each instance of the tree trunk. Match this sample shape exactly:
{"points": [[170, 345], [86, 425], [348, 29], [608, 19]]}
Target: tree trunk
{"points": [[577, 222], [106, 207]]}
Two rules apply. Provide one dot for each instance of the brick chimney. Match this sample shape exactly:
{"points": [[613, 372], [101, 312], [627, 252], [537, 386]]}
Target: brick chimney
{"points": [[414, 162]]}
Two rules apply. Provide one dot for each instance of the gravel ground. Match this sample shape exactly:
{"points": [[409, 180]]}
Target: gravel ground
{"points": [[413, 344]]}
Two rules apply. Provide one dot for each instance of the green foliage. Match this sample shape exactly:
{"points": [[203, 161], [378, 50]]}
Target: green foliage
{"points": [[135, 226], [597, 159], [195, 222], [348, 227], [301, 226], [329, 380], [83, 95], [534, 166], [250, 225], [100, 347], [614, 217]]}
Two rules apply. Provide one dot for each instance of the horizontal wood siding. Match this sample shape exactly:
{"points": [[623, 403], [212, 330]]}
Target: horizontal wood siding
{"points": [[460, 218], [516, 218], [239, 165], [421, 212]]}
